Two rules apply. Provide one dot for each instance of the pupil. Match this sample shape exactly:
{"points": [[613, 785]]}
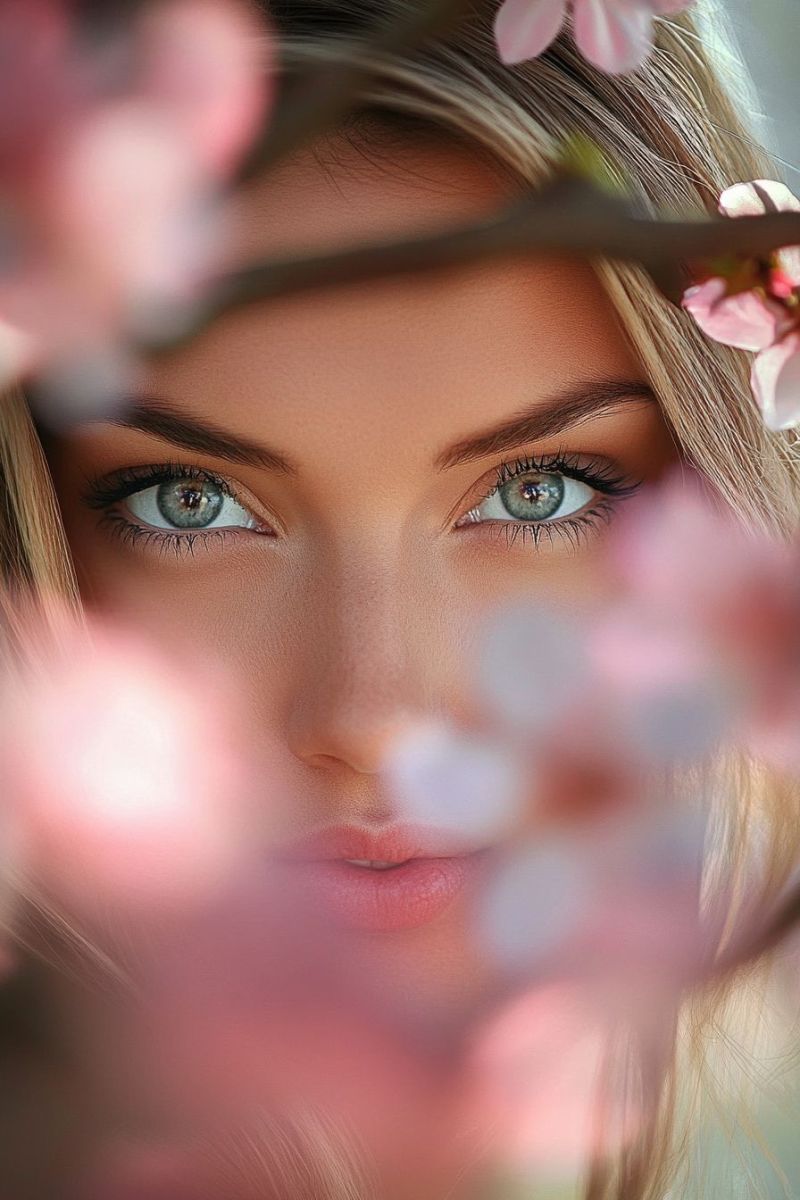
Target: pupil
{"points": [[533, 497], [189, 503]]}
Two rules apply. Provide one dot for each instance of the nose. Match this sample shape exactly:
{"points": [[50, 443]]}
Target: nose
{"points": [[358, 677]]}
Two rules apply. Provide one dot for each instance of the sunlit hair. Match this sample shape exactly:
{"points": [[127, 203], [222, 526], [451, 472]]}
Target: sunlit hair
{"points": [[675, 135]]}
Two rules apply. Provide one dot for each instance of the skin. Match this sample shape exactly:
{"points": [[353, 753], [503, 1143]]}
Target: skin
{"points": [[363, 611]]}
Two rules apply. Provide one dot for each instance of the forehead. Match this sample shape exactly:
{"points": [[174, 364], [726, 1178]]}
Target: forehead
{"points": [[442, 353]]}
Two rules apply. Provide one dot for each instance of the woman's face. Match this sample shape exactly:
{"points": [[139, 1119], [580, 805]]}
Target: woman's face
{"points": [[332, 491]]}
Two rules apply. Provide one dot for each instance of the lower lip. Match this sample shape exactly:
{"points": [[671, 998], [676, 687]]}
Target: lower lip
{"points": [[402, 897]]}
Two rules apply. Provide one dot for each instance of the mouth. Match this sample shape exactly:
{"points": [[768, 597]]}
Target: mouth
{"points": [[399, 878]]}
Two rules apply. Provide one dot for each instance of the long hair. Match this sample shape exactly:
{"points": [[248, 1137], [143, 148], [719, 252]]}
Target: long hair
{"points": [[673, 132]]}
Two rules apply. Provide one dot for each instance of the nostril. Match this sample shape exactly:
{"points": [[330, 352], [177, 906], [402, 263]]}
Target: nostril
{"points": [[358, 738]]}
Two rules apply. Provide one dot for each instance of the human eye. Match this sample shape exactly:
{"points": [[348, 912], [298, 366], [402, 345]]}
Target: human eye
{"points": [[170, 506], [559, 495]]}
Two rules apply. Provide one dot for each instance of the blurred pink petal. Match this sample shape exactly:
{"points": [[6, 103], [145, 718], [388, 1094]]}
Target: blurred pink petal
{"points": [[525, 28], [257, 1003], [614, 35], [532, 665], [207, 65], [534, 900], [113, 165], [17, 353], [39, 86], [611, 900], [140, 798], [737, 607], [672, 699], [532, 1077], [776, 383], [123, 182], [456, 781], [634, 651], [747, 320], [644, 926], [678, 522]]}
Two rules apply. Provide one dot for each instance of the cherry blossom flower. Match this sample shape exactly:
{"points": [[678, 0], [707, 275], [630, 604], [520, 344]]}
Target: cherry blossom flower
{"points": [[737, 606], [445, 780], [141, 801], [532, 1075], [756, 306], [111, 170], [614, 35]]}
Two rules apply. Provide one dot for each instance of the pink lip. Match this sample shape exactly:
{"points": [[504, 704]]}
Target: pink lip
{"points": [[432, 869]]}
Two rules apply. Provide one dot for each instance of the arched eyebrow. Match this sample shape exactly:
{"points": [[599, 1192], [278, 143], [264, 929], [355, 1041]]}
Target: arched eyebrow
{"points": [[151, 415], [562, 411]]}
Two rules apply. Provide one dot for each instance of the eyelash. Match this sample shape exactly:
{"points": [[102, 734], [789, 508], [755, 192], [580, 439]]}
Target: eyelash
{"points": [[102, 494], [595, 473]]}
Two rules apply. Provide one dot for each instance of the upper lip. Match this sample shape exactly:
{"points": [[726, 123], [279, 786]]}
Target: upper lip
{"points": [[392, 844]]}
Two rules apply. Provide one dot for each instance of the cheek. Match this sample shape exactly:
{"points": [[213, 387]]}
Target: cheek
{"points": [[312, 628]]}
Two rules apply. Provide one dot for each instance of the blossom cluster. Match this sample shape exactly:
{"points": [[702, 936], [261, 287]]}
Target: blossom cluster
{"points": [[614, 35], [113, 151], [754, 304]]}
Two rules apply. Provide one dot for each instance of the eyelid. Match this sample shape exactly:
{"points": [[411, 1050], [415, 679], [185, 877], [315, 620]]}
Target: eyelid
{"points": [[595, 470], [103, 492]]}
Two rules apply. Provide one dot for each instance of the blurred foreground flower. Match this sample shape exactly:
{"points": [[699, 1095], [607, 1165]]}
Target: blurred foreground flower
{"points": [[110, 171], [755, 305], [586, 919], [123, 783], [614, 35], [534, 1074]]}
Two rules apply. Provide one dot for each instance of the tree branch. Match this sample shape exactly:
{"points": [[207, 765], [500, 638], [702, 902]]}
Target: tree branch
{"points": [[570, 217]]}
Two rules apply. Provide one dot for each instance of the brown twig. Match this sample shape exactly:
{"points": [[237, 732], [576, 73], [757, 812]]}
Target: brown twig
{"points": [[571, 217]]}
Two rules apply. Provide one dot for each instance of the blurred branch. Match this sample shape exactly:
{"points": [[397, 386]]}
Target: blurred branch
{"points": [[570, 217], [319, 99]]}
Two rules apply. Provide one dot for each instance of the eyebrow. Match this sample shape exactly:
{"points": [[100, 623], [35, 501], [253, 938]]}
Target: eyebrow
{"points": [[567, 408], [162, 420]]}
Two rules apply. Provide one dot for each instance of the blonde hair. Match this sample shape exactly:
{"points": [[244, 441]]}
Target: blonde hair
{"points": [[677, 140]]}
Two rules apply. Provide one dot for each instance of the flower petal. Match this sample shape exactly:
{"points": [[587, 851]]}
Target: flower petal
{"points": [[747, 320], [615, 35], [206, 65], [776, 383], [743, 199], [748, 200], [524, 28]]}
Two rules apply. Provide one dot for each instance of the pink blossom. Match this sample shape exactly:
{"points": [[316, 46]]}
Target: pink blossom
{"points": [[140, 800], [757, 307], [747, 320], [735, 610], [757, 197], [776, 383], [614, 35], [109, 183], [256, 1002], [532, 1076], [446, 780]]}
